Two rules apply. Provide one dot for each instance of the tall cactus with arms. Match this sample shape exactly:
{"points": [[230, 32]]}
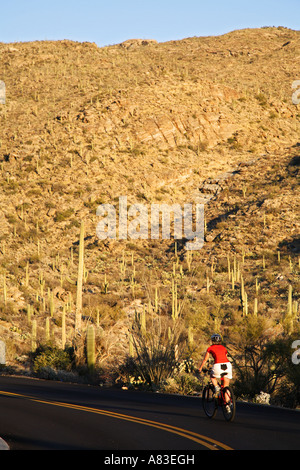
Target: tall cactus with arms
{"points": [[78, 311]]}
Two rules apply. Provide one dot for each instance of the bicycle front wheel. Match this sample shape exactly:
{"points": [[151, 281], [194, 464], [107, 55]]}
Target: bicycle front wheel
{"points": [[228, 404], [209, 402]]}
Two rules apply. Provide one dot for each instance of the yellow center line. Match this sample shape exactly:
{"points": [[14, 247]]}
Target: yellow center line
{"points": [[199, 438]]}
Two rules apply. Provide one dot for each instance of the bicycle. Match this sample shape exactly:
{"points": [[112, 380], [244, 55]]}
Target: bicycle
{"points": [[225, 399]]}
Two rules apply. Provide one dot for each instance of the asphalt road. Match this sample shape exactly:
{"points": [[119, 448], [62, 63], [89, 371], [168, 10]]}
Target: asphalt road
{"points": [[46, 415]]}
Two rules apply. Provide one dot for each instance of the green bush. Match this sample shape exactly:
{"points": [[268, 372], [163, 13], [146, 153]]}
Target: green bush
{"points": [[183, 383], [63, 215], [51, 357]]}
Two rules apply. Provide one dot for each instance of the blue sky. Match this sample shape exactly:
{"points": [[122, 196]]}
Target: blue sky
{"points": [[114, 21]]}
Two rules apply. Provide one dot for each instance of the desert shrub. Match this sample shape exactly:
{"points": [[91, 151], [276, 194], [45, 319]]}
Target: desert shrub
{"points": [[263, 363], [184, 380], [287, 391], [262, 99], [183, 383], [51, 357], [157, 352], [254, 372], [63, 215]]}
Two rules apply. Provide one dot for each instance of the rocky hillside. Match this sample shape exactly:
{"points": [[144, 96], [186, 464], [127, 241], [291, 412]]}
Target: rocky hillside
{"points": [[204, 119]]}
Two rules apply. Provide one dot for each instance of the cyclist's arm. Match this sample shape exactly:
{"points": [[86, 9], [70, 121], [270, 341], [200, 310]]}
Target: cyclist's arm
{"points": [[204, 361]]}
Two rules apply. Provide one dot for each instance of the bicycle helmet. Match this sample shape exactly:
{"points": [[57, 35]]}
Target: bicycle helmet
{"points": [[216, 339]]}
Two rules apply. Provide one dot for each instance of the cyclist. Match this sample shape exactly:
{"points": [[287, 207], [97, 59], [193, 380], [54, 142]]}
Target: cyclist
{"points": [[221, 363]]}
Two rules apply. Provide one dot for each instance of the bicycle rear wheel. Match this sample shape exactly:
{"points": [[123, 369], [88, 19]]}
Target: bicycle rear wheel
{"points": [[228, 404], [209, 402]]}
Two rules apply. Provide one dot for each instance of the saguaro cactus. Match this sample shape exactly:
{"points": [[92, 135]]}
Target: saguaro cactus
{"points": [[33, 336], [80, 280], [29, 313], [289, 320], [290, 301], [131, 345], [27, 274], [244, 298], [51, 303], [63, 328], [90, 347], [175, 306], [47, 329]]}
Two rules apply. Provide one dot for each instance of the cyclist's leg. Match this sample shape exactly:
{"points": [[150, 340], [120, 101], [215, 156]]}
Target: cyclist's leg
{"points": [[227, 395], [226, 381], [214, 381]]}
